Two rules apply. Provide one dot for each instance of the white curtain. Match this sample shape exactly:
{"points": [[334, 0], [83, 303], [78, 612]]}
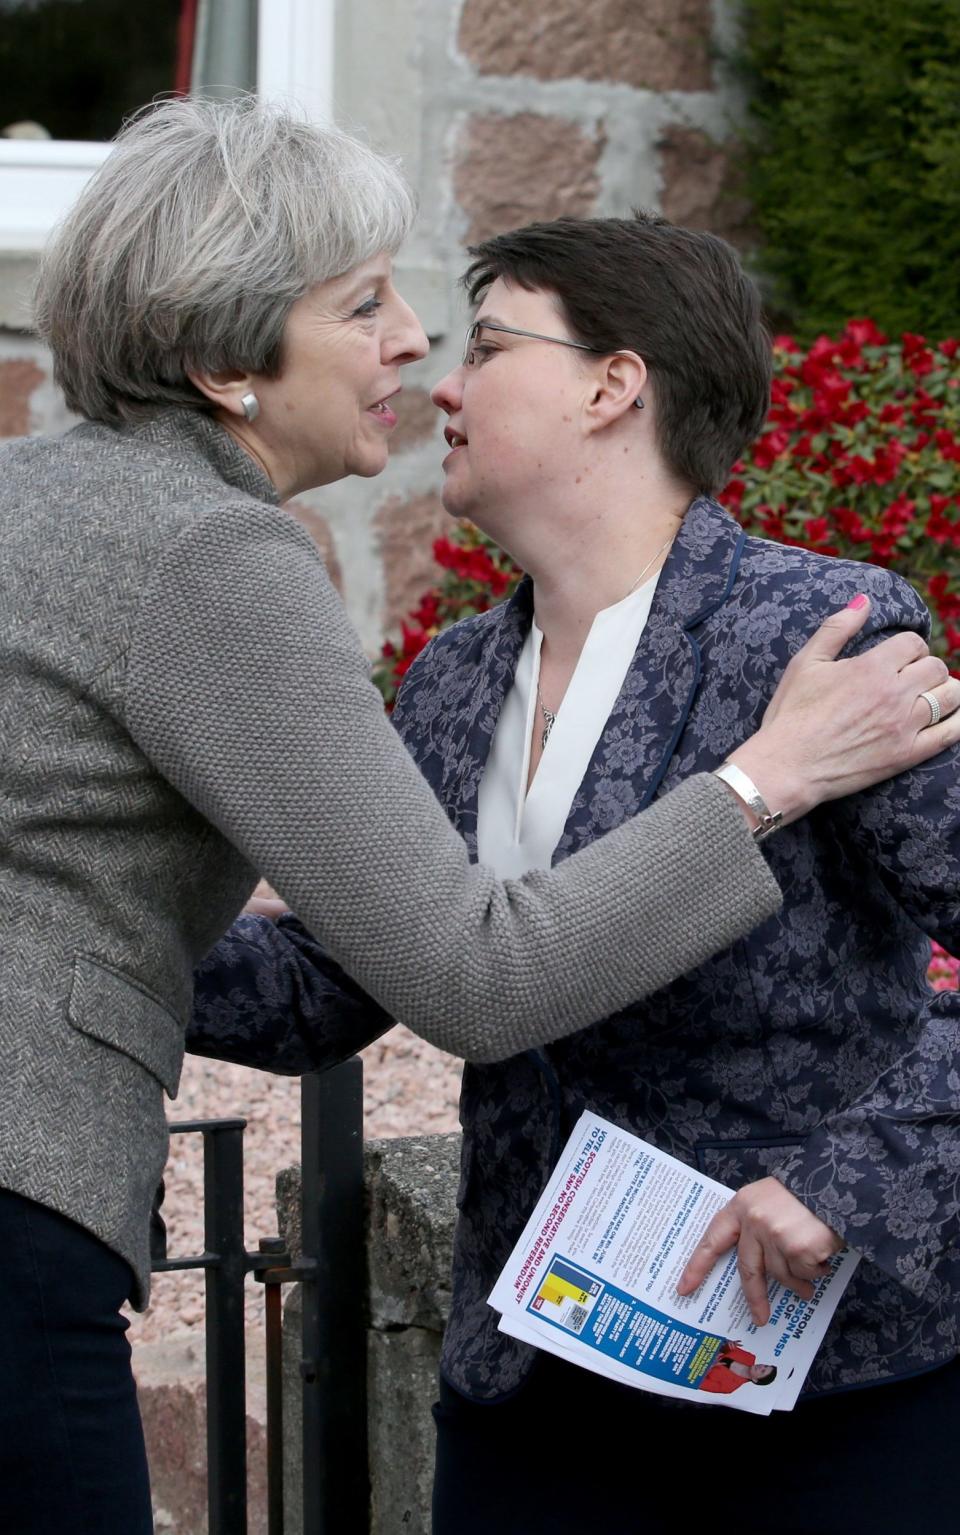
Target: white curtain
{"points": [[225, 48]]}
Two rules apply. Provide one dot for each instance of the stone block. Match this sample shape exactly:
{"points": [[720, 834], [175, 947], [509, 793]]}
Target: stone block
{"points": [[405, 528], [171, 1389], [513, 170], [703, 185], [288, 1209], [411, 1186], [402, 1385], [322, 534], [19, 379], [656, 45]]}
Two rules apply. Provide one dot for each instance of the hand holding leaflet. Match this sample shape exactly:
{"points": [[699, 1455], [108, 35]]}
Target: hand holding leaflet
{"points": [[594, 1278], [773, 1234]]}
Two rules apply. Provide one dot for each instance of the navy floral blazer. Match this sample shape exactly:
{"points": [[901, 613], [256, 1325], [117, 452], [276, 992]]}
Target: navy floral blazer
{"points": [[813, 1049]]}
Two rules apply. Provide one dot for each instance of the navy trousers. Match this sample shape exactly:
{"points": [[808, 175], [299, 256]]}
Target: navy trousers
{"points": [[72, 1459], [570, 1452]]}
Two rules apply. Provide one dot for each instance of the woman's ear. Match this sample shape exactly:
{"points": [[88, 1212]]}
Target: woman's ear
{"points": [[618, 385], [226, 389]]}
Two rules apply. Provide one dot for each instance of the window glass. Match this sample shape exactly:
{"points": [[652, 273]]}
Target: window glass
{"points": [[73, 69]]}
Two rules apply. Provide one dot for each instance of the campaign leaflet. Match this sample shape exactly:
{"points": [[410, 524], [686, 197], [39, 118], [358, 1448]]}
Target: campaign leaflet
{"points": [[593, 1279]]}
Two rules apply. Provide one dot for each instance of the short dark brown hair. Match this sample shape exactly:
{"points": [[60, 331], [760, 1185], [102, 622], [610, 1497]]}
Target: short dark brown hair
{"points": [[678, 297]]}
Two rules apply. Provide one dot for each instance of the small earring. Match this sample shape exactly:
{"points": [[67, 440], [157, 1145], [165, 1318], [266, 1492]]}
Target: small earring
{"points": [[638, 402], [250, 406]]}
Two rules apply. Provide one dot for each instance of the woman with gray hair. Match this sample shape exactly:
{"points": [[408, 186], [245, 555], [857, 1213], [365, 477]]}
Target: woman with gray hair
{"points": [[221, 310]]}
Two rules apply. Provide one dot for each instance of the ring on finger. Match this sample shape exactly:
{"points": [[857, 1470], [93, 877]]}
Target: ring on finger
{"points": [[933, 703]]}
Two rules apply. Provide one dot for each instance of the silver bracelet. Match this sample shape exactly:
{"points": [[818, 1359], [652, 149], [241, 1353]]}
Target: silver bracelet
{"points": [[745, 788]]}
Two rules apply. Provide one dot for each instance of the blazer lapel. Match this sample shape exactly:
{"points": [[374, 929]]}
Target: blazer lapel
{"points": [[636, 746], [471, 692]]}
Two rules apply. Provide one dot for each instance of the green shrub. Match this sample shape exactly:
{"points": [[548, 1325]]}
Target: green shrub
{"points": [[853, 159]]}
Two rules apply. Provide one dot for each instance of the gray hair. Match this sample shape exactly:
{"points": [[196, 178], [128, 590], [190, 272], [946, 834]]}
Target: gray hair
{"points": [[207, 221]]}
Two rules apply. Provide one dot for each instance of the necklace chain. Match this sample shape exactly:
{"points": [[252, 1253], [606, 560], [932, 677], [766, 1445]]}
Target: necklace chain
{"points": [[550, 715]]}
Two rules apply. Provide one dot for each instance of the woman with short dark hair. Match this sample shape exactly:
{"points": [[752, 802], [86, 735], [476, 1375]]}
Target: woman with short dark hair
{"points": [[614, 371]]}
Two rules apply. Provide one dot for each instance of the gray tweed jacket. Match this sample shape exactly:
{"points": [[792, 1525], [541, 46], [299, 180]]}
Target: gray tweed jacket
{"points": [[183, 702]]}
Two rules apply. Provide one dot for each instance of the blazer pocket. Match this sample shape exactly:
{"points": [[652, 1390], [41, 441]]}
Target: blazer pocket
{"points": [[118, 1011], [738, 1162]]}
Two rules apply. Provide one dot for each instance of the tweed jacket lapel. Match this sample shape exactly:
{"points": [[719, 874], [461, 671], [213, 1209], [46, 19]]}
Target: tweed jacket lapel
{"points": [[636, 745]]}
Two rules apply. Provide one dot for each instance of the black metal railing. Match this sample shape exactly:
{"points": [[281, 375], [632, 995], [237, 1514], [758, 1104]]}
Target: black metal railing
{"points": [[331, 1268]]}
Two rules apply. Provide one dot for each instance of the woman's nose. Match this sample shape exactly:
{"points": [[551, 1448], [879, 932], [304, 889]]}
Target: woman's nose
{"points": [[408, 337], [448, 392]]}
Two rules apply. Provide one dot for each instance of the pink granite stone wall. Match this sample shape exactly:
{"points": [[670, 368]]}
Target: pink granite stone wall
{"points": [[406, 528], [19, 379], [514, 169], [655, 45]]}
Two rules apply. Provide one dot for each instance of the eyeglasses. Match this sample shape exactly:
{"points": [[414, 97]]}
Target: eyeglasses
{"points": [[474, 330]]}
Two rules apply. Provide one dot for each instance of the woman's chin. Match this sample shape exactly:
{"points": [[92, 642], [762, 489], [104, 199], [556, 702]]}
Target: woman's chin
{"points": [[369, 465]]}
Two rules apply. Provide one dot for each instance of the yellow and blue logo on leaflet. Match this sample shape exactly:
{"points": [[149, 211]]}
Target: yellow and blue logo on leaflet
{"points": [[566, 1292]]}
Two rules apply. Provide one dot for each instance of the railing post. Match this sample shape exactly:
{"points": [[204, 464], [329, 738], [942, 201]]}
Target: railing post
{"points": [[226, 1359], [335, 1480]]}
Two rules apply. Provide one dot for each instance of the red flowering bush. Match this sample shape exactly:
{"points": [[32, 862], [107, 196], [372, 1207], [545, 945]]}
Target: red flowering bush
{"points": [[859, 457], [476, 575]]}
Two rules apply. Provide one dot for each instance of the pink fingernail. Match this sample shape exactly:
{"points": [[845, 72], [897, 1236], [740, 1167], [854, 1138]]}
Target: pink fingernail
{"points": [[859, 601]]}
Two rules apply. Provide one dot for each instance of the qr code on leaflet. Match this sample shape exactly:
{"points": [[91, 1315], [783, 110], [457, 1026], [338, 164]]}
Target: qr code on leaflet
{"points": [[576, 1317]]}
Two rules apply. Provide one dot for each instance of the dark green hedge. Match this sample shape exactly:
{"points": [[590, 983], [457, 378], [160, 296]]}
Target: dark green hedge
{"points": [[853, 159]]}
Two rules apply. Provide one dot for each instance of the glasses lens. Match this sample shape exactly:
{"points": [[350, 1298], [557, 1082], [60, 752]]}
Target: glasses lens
{"points": [[468, 343]]}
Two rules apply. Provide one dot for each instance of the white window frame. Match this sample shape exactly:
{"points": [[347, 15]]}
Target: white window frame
{"points": [[41, 178]]}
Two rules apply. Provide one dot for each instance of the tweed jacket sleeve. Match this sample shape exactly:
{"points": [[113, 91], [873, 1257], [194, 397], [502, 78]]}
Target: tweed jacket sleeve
{"points": [[284, 747], [884, 1169]]}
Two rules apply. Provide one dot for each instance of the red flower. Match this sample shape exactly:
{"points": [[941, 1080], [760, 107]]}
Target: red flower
{"points": [[733, 495], [428, 611], [898, 516], [924, 408], [946, 602], [864, 333], [771, 522], [948, 445], [823, 350], [917, 356], [817, 530], [850, 524], [770, 448], [414, 640]]}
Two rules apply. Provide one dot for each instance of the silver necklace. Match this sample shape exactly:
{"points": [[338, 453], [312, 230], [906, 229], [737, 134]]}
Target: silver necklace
{"points": [[550, 715]]}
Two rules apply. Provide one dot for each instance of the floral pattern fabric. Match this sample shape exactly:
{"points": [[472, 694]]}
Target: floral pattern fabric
{"points": [[813, 1049]]}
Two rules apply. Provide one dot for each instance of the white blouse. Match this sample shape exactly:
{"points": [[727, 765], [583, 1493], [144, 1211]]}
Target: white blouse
{"points": [[517, 828]]}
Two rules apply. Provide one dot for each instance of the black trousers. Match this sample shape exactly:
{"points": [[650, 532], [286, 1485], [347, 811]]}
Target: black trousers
{"points": [[570, 1452], [72, 1460]]}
